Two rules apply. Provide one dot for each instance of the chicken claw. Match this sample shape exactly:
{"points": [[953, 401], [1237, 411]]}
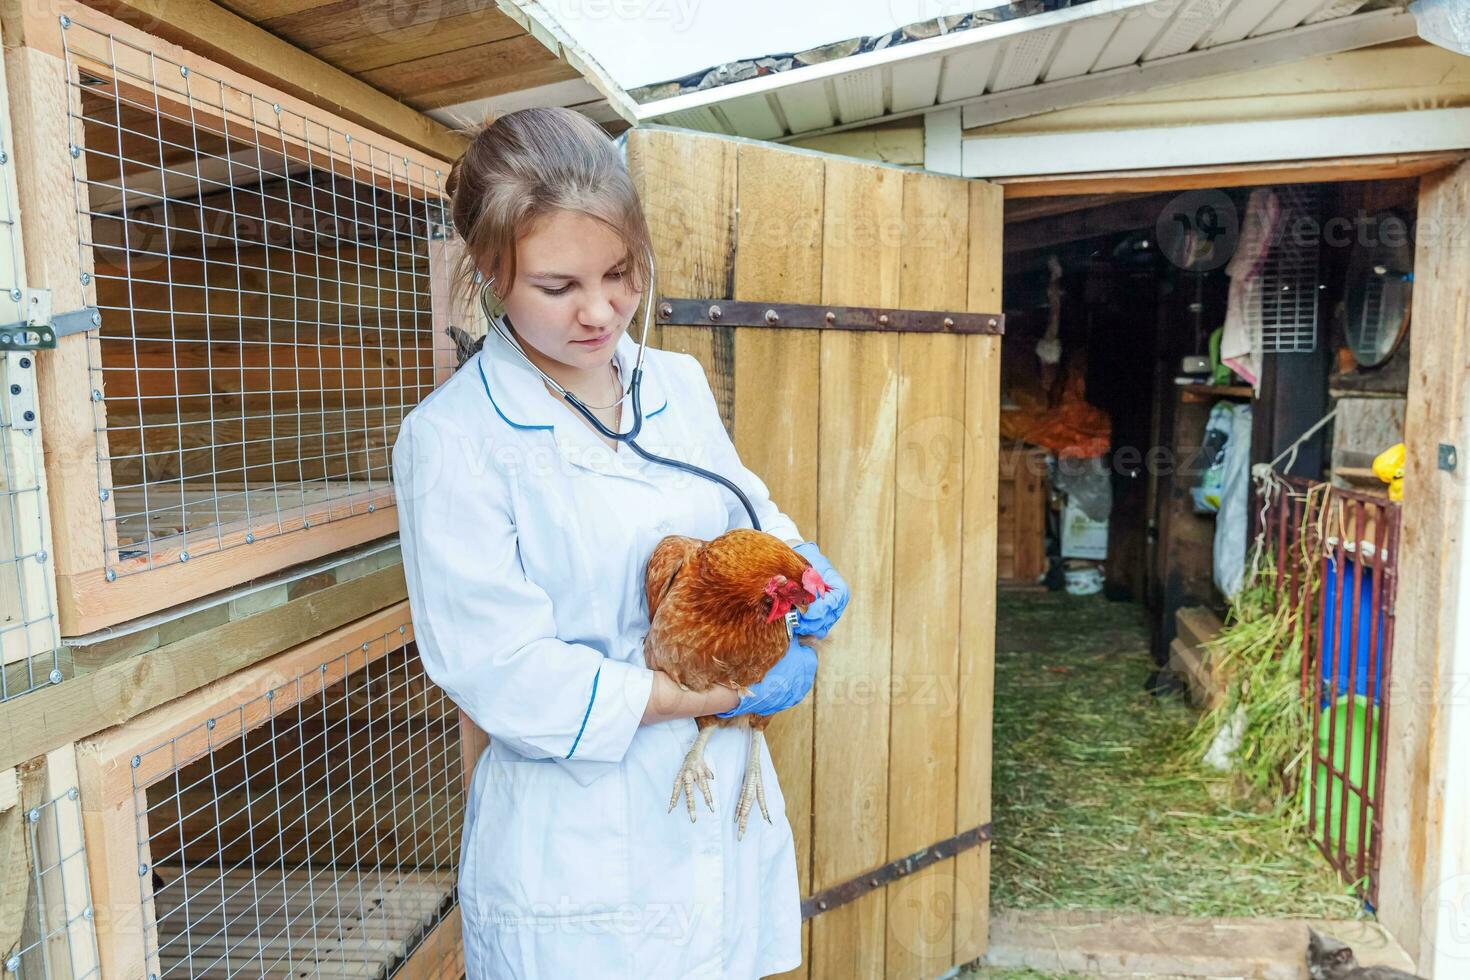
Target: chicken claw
{"points": [[751, 789], [694, 772]]}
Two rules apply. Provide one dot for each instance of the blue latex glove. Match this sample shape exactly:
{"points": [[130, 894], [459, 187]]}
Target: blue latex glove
{"points": [[821, 614], [784, 685]]}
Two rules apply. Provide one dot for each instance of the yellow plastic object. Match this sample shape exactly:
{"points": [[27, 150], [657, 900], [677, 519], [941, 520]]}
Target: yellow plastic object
{"points": [[1388, 466]]}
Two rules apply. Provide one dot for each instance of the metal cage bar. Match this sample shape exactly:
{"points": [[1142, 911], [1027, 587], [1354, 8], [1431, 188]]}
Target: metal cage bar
{"points": [[263, 282]]}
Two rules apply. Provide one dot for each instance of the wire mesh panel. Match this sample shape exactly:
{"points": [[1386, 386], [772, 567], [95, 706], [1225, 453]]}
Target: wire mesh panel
{"points": [[29, 645], [312, 829], [1281, 302], [263, 282], [45, 910]]}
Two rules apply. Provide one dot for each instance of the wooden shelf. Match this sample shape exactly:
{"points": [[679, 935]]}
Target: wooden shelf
{"points": [[1201, 393]]}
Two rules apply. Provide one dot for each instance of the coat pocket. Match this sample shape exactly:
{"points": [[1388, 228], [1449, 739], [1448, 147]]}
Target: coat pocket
{"points": [[546, 847]]}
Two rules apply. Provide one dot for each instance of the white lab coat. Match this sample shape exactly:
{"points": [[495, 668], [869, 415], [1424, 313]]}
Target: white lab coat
{"points": [[524, 539]]}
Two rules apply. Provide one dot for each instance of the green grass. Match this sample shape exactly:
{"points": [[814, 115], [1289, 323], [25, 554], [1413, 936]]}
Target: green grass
{"points": [[1096, 805]]}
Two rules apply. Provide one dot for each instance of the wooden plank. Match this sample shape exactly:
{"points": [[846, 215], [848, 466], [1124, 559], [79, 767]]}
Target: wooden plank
{"points": [[441, 955], [779, 258], [72, 936], [1431, 555], [687, 185], [181, 723], [27, 597], [1372, 167], [856, 476], [931, 472], [120, 691], [39, 108], [87, 601], [254, 58], [977, 576]]}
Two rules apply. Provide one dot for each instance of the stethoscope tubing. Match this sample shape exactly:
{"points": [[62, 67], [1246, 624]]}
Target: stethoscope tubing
{"points": [[635, 393]]}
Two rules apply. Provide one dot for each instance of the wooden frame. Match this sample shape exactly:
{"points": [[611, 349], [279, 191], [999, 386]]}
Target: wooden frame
{"points": [[82, 514], [117, 765], [28, 597], [49, 849]]}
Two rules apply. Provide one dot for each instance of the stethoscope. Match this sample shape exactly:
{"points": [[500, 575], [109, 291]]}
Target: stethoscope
{"points": [[634, 389]]}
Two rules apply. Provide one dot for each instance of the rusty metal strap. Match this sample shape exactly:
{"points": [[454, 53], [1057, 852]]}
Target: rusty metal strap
{"points": [[855, 888], [735, 313]]}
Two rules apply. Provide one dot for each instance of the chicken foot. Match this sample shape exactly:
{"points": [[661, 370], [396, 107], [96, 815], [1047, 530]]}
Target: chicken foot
{"points": [[751, 789], [695, 772]]}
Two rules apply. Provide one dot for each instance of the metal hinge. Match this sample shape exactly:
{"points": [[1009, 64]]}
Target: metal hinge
{"points": [[40, 328]]}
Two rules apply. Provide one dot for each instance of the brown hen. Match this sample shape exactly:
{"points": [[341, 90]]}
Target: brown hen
{"points": [[718, 611]]}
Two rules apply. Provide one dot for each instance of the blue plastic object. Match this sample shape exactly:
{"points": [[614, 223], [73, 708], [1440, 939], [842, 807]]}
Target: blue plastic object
{"points": [[1368, 636]]}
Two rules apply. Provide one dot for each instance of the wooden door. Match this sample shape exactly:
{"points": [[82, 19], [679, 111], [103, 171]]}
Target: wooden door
{"points": [[882, 445]]}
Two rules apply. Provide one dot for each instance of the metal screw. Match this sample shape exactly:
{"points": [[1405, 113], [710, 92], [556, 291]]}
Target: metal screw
{"points": [[142, 870], [348, 137], [883, 319], [30, 416], [15, 389], [4, 157], [34, 816], [183, 556], [55, 676], [772, 316], [270, 695], [137, 761], [72, 794], [305, 524], [65, 22], [96, 395], [402, 630], [111, 575], [15, 294], [184, 70], [665, 310], [405, 163], [86, 278], [250, 538], [25, 362], [209, 724], [364, 646], [96, 318], [4, 338], [948, 322], [872, 882], [822, 904], [830, 317], [715, 312], [41, 557], [74, 150], [993, 322], [372, 507], [276, 106], [104, 493], [13, 964], [87, 912], [1449, 459]]}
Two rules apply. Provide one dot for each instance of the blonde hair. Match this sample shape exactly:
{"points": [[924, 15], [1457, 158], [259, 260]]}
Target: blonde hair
{"points": [[524, 165]]}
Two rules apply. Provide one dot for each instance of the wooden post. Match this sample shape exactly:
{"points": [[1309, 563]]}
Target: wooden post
{"points": [[1422, 692]]}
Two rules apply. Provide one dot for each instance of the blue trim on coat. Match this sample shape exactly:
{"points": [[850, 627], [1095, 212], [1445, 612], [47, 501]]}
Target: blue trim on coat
{"points": [[588, 713], [480, 363]]}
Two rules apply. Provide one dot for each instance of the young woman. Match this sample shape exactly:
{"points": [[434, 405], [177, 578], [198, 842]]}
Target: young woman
{"points": [[524, 536]]}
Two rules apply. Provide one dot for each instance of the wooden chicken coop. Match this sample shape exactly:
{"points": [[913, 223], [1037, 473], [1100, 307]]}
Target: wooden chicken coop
{"points": [[242, 287], [851, 307], [301, 817]]}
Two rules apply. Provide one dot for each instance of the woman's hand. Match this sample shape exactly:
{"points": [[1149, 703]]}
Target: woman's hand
{"points": [[668, 701], [784, 685], [819, 617]]}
